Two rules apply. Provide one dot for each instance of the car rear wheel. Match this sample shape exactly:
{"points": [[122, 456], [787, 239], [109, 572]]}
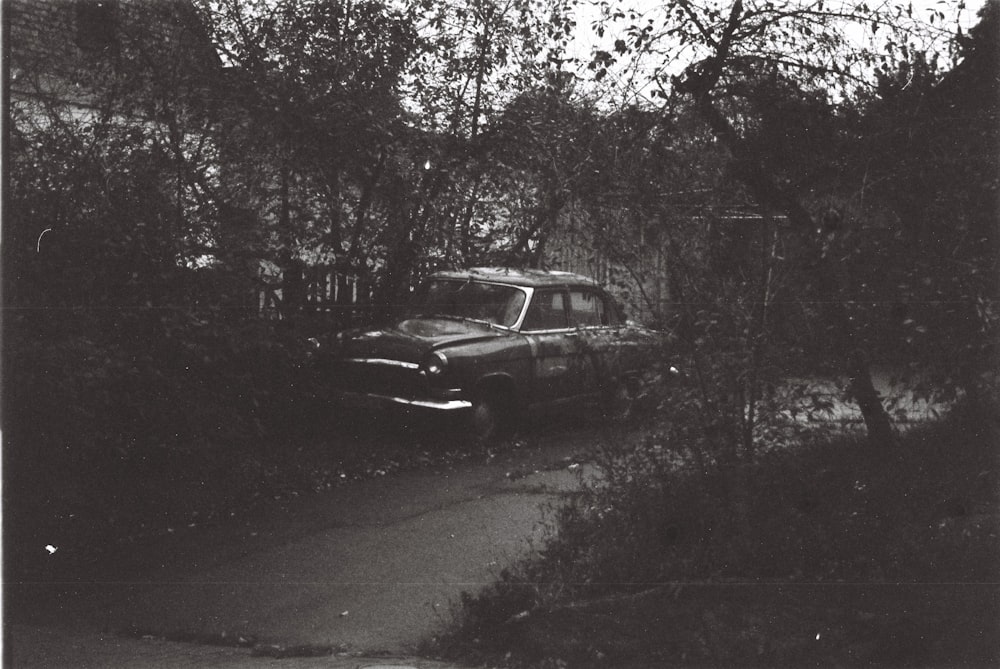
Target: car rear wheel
{"points": [[619, 399]]}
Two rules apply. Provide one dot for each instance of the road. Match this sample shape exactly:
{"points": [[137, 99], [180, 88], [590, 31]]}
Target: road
{"points": [[371, 569]]}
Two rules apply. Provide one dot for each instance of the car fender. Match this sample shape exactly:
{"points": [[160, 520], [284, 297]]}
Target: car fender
{"points": [[503, 359]]}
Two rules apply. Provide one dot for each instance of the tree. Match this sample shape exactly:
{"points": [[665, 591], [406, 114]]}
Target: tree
{"points": [[552, 136], [370, 117], [808, 43], [317, 119], [929, 145], [475, 58], [109, 213]]}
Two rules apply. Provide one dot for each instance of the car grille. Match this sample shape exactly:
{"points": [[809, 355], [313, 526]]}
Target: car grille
{"points": [[380, 377]]}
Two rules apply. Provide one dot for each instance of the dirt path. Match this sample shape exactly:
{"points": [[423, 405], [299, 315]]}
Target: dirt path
{"points": [[372, 568]]}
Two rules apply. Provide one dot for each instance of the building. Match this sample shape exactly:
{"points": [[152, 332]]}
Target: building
{"points": [[74, 56]]}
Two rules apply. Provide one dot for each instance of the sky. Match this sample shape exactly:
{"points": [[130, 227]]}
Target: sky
{"points": [[585, 40]]}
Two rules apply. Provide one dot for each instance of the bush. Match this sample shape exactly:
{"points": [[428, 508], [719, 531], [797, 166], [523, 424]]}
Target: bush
{"points": [[163, 415], [832, 512]]}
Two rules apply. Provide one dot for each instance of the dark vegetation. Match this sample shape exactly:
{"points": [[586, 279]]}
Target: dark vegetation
{"points": [[785, 217], [844, 557]]}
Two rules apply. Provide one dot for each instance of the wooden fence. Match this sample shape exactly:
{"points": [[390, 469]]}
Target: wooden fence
{"points": [[338, 298]]}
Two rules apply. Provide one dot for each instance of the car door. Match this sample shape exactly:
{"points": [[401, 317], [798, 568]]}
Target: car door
{"points": [[554, 346], [598, 330]]}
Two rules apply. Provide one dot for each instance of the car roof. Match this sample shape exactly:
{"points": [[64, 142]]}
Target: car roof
{"points": [[517, 277]]}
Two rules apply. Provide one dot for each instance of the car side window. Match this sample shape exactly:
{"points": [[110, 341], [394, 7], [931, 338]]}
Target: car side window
{"points": [[547, 311], [589, 308]]}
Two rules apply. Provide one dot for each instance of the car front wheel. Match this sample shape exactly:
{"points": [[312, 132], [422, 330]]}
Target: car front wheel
{"points": [[490, 416]]}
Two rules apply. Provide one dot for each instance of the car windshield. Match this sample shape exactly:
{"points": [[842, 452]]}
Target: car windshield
{"points": [[487, 302]]}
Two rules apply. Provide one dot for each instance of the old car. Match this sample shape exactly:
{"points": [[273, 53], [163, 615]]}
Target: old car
{"points": [[492, 343]]}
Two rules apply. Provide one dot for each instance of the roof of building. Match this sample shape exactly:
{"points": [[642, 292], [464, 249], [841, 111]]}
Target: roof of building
{"points": [[517, 277]]}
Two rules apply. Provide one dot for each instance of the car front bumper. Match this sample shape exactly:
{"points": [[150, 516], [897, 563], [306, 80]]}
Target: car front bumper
{"points": [[374, 401]]}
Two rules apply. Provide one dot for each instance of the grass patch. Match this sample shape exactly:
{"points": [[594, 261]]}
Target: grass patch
{"points": [[828, 554]]}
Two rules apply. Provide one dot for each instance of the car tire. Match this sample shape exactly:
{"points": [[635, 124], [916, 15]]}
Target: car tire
{"points": [[491, 416]]}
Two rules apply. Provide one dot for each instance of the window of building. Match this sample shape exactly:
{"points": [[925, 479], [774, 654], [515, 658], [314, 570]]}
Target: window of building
{"points": [[97, 26]]}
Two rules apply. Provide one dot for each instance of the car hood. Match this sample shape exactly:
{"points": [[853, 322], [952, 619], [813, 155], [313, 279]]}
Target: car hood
{"points": [[411, 339]]}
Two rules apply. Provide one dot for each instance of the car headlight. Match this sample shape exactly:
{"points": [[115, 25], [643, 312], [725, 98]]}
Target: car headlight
{"points": [[312, 347], [435, 363]]}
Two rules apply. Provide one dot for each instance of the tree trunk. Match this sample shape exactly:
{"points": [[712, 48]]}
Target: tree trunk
{"points": [[877, 423]]}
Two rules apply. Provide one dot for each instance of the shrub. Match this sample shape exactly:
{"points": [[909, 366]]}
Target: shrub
{"points": [[116, 427], [830, 512]]}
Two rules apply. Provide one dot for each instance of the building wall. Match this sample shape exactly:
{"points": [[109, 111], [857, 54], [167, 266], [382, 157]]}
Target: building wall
{"points": [[629, 262], [67, 51]]}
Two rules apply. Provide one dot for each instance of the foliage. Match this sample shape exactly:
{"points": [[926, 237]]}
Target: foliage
{"points": [[734, 53], [315, 87], [828, 43], [654, 542], [931, 156], [369, 118], [129, 356]]}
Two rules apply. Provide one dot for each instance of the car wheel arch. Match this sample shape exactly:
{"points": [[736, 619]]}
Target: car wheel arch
{"points": [[498, 384]]}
